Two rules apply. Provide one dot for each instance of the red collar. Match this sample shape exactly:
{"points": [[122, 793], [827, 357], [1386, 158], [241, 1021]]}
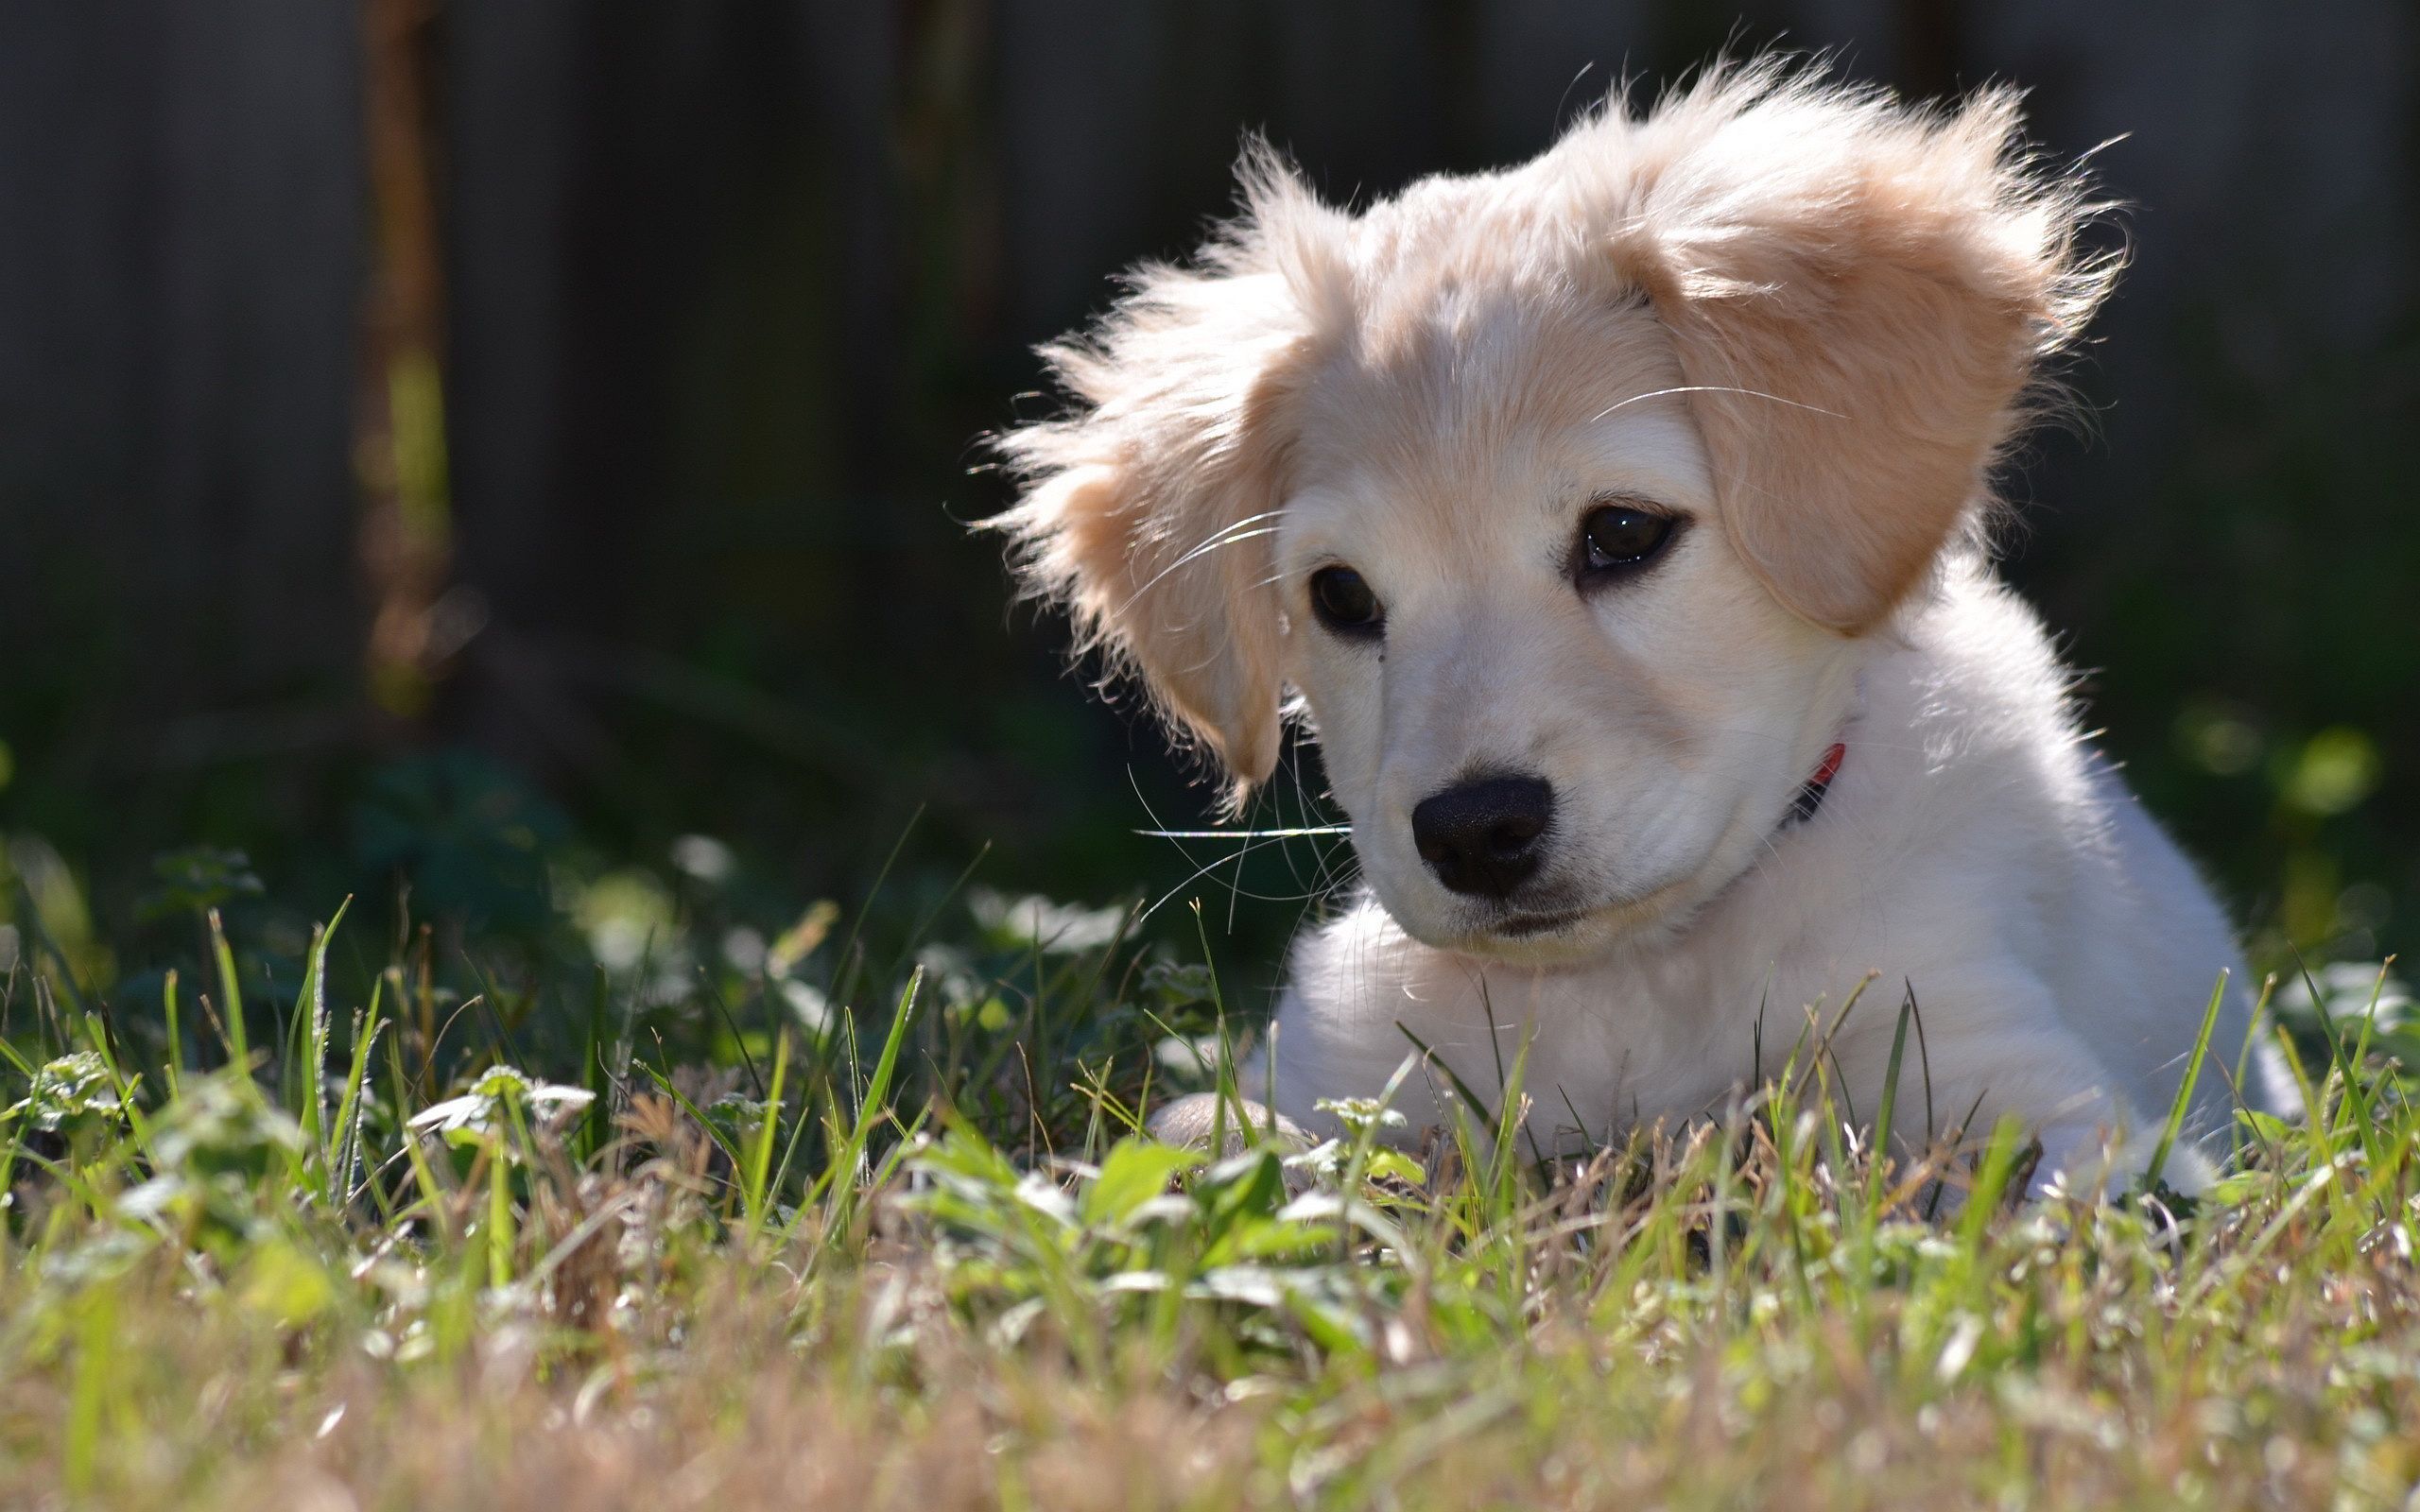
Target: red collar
{"points": [[1810, 797]]}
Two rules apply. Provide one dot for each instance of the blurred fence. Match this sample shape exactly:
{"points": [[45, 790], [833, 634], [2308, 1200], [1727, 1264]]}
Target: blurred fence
{"points": [[728, 289]]}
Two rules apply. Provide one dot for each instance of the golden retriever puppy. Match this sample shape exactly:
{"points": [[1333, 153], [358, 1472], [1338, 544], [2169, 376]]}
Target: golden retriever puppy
{"points": [[1616, 522]]}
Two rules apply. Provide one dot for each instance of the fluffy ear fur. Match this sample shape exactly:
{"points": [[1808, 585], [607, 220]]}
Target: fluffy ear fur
{"points": [[1859, 292], [1148, 510]]}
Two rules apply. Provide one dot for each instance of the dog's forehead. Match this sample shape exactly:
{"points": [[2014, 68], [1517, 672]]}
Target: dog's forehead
{"points": [[1468, 392]]}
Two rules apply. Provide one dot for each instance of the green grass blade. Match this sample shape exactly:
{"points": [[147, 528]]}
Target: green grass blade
{"points": [[705, 1126], [230, 994], [2243, 1063], [1878, 1159], [1461, 1089], [2370, 1013], [1229, 1093], [2184, 1087], [760, 1163], [2356, 1091], [172, 1072], [344, 1148], [499, 1224], [1991, 1184], [846, 1162], [310, 1065], [596, 1121]]}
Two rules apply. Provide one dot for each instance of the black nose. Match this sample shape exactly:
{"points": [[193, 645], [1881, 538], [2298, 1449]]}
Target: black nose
{"points": [[1480, 838]]}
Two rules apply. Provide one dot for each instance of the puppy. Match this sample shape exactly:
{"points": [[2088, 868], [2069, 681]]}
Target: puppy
{"points": [[1616, 522]]}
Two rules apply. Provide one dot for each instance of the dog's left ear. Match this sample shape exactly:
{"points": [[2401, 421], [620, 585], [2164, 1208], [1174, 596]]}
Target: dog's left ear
{"points": [[1149, 510], [1858, 294]]}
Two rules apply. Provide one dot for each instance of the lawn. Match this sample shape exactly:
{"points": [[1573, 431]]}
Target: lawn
{"points": [[857, 1215]]}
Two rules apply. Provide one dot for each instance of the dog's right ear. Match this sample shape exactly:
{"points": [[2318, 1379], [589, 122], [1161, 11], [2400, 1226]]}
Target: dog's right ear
{"points": [[1150, 510], [1858, 294]]}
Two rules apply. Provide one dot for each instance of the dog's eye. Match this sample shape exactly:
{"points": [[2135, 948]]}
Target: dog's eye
{"points": [[1618, 536], [1344, 602]]}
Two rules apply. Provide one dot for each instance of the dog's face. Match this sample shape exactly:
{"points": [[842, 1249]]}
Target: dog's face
{"points": [[1557, 705], [1563, 496]]}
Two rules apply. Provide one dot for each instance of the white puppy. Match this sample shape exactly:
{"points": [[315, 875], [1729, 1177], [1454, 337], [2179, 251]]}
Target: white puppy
{"points": [[1619, 520]]}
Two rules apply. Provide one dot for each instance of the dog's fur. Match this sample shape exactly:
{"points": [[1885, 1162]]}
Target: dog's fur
{"points": [[1802, 318]]}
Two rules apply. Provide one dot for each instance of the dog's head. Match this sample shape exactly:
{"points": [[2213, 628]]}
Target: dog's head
{"points": [[1565, 495]]}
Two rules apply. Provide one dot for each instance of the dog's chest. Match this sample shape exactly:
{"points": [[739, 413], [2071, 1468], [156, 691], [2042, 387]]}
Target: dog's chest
{"points": [[1628, 1043]]}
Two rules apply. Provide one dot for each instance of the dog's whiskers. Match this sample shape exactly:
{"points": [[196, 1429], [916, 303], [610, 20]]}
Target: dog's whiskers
{"points": [[1327, 879], [1296, 834], [1225, 536], [1715, 389]]}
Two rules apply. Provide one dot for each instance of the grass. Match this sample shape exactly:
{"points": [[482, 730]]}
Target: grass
{"points": [[895, 1241]]}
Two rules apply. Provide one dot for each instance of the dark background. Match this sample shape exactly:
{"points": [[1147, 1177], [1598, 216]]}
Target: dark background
{"points": [[477, 445]]}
